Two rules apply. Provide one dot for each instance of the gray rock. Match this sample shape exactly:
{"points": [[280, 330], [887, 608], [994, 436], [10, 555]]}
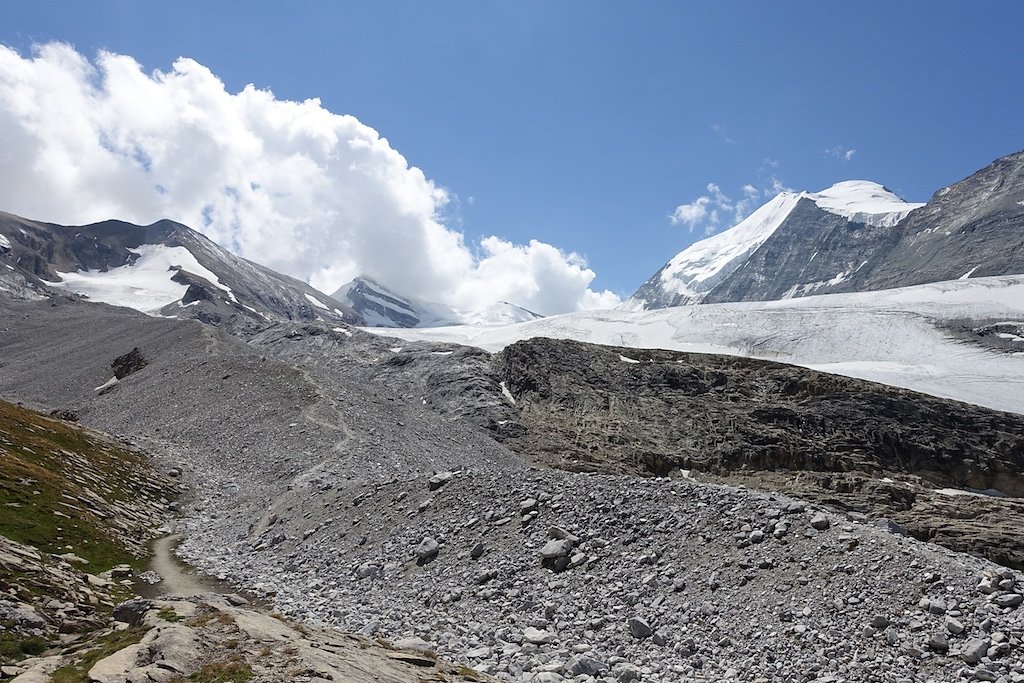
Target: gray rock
{"points": [[879, 622], [439, 480], [556, 548], [974, 650], [131, 612], [427, 550], [538, 636], [584, 665], [1011, 600], [938, 642], [624, 672], [820, 521], [639, 628]]}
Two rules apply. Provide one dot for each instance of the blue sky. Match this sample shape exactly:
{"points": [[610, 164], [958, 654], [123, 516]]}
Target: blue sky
{"points": [[583, 124]]}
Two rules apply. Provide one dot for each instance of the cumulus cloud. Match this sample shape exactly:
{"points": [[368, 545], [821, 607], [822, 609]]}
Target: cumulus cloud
{"points": [[314, 194], [844, 154], [708, 211]]}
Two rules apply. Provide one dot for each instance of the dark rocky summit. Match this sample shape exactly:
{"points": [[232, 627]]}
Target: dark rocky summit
{"points": [[972, 228]]}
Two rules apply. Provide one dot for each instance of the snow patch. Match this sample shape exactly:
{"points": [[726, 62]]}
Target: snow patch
{"points": [[863, 201], [145, 285], [626, 359], [978, 493], [106, 385], [347, 333], [969, 273], [316, 302], [507, 393], [4, 242]]}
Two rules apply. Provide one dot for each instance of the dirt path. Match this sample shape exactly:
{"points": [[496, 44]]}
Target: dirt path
{"points": [[178, 578], [326, 414]]}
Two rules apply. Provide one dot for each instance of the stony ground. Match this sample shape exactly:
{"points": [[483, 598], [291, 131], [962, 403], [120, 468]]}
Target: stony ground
{"points": [[218, 639], [322, 481]]}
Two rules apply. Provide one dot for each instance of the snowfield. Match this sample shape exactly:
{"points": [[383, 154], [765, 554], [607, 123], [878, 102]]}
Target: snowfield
{"points": [[145, 285], [890, 336]]}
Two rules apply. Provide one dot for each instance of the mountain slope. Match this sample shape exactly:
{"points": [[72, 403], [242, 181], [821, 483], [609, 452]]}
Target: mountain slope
{"points": [[380, 307], [724, 268], [973, 228], [165, 268]]}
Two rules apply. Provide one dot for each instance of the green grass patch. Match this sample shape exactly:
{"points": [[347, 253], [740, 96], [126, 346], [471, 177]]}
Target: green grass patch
{"points": [[167, 613], [106, 645], [14, 647], [223, 672], [56, 482]]}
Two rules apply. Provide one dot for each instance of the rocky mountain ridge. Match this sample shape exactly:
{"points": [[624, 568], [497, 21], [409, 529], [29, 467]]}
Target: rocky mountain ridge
{"points": [[165, 268], [799, 245]]}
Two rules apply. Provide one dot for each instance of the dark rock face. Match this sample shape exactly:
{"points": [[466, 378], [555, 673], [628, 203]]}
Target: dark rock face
{"points": [[720, 414], [812, 252], [128, 363], [583, 407], [372, 301], [975, 227]]}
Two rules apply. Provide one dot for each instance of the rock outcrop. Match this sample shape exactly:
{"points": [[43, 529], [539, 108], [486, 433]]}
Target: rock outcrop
{"points": [[869, 447]]}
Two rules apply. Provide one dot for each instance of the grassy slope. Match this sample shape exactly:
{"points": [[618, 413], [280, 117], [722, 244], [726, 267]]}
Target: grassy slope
{"points": [[56, 486]]}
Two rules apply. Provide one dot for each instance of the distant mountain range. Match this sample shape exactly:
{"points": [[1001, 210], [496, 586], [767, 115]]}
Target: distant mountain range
{"points": [[163, 269], [853, 236], [171, 270], [381, 307]]}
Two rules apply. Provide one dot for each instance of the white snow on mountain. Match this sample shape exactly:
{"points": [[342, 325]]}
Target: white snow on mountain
{"points": [[693, 272], [863, 201], [316, 302], [702, 265], [887, 336], [4, 242], [144, 285], [499, 313]]}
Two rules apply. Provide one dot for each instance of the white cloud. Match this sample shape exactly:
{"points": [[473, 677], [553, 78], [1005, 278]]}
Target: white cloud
{"points": [[722, 133], [839, 152], [706, 211], [314, 194], [691, 214]]}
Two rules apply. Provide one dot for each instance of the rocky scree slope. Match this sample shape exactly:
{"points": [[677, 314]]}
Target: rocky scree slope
{"points": [[327, 480]]}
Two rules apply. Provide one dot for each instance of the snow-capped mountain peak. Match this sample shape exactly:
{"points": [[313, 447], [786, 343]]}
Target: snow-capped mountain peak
{"points": [[693, 273], [863, 201]]}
